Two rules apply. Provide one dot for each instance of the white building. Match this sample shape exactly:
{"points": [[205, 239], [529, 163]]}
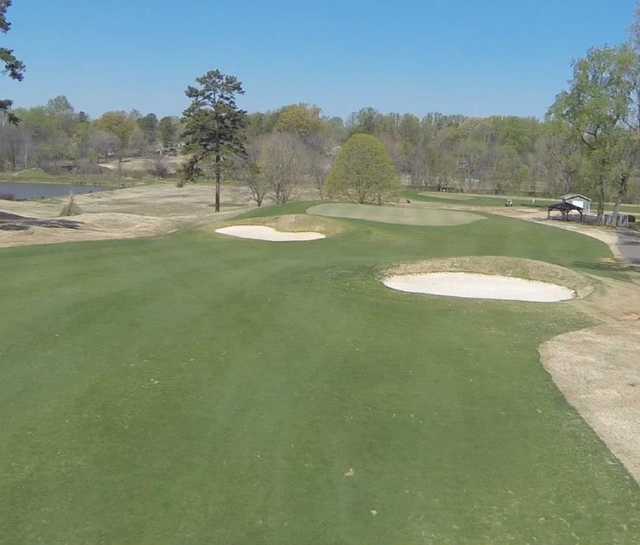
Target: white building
{"points": [[576, 199]]}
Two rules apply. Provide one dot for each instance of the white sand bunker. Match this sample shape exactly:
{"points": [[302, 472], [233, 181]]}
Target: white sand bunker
{"points": [[480, 286], [262, 232]]}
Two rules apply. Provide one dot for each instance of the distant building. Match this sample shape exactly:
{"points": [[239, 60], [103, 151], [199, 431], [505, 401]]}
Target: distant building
{"points": [[579, 201], [575, 202]]}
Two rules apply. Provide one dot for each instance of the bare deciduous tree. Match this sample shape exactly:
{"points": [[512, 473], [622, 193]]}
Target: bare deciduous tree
{"points": [[105, 144], [282, 164], [248, 171]]}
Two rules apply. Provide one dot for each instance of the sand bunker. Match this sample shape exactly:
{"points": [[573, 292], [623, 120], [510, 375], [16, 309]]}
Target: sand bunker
{"points": [[480, 286], [262, 232]]}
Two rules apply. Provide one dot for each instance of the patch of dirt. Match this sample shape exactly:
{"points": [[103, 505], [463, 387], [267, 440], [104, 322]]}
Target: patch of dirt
{"points": [[13, 222], [598, 369]]}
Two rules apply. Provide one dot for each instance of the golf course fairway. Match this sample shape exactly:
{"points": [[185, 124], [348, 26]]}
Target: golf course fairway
{"points": [[199, 389]]}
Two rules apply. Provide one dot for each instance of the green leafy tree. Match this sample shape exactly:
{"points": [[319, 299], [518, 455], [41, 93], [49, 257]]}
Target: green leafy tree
{"points": [[562, 158], [367, 120], [149, 127], [300, 119], [214, 125], [363, 171], [12, 66], [599, 108], [121, 126], [168, 130]]}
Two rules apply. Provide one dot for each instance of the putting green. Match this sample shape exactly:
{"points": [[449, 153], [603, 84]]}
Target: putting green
{"points": [[401, 215]]}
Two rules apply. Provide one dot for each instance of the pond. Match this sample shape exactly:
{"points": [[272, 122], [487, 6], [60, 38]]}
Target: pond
{"points": [[34, 190]]}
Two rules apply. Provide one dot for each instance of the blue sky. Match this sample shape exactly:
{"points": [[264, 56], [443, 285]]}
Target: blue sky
{"points": [[453, 56]]}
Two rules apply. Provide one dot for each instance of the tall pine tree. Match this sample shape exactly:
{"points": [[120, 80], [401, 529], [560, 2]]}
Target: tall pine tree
{"points": [[12, 66], [214, 125]]}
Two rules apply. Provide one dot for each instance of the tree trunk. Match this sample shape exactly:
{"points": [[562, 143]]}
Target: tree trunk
{"points": [[218, 181], [623, 184], [602, 183], [601, 199]]}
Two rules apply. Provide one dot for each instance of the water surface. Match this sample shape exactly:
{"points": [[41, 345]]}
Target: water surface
{"points": [[35, 190]]}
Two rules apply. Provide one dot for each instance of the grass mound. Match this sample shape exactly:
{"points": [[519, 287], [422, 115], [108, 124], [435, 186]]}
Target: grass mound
{"points": [[512, 267], [399, 215], [295, 223]]}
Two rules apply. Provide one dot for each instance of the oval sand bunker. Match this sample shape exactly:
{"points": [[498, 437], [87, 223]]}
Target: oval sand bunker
{"points": [[262, 232], [480, 286]]}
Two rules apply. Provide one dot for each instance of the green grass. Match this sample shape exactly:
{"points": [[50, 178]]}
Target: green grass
{"points": [[103, 180], [198, 389], [394, 214], [470, 199]]}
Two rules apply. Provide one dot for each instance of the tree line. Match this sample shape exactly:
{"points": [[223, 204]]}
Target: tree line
{"points": [[589, 141], [496, 155], [56, 137], [297, 144]]}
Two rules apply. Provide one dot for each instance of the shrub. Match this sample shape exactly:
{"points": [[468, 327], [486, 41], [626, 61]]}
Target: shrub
{"points": [[363, 171], [71, 208], [160, 168]]}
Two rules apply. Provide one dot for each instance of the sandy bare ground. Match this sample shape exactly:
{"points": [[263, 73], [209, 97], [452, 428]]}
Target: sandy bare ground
{"points": [[598, 369], [480, 286], [143, 211], [262, 232]]}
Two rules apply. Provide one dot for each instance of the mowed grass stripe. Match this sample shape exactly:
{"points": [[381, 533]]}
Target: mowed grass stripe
{"points": [[196, 389]]}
